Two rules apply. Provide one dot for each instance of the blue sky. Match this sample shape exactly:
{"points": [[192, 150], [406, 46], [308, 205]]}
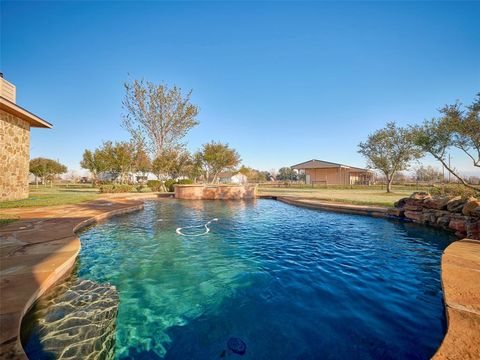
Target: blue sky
{"points": [[282, 82]]}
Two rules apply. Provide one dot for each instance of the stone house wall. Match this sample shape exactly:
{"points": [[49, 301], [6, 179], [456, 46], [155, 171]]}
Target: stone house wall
{"points": [[14, 157]]}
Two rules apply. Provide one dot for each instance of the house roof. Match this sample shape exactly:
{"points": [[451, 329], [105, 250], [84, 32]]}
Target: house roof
{"points": [[23, 114], [322, 164]]}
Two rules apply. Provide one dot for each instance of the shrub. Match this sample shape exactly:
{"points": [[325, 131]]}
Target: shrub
{"points": [[117, 188], [184, 182], [143, 188], [155, 185], [169, 185], [451, 190]]}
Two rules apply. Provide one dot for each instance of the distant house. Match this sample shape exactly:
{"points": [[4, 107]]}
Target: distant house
{"points": [[320, 172], [15, 124], [232, 178]]}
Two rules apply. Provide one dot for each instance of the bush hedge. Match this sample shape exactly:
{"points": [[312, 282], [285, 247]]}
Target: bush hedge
{"points": [[169, 184], [117, 188], [154, 185], [454, 190]]}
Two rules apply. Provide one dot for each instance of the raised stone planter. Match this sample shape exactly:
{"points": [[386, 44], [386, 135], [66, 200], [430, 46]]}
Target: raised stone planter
{"points": [[215, 192]]}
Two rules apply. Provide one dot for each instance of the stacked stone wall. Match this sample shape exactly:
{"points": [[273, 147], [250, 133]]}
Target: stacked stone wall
{"points": [[14, 157], [456, 214]]}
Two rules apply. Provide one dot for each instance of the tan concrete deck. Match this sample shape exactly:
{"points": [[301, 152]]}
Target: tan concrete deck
{"points": [[37, 251], [40, 248]]}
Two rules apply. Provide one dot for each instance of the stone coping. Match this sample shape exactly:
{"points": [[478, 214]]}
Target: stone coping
{"points": [[461, 291], [37, 251], [42, 247], [368, 210]]}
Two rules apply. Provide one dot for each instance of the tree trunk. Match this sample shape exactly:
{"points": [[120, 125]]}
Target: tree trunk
{"points": [[389, 184]]}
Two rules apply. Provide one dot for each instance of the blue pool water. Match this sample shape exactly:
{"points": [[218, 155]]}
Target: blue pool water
{"points": [[292, 283]]}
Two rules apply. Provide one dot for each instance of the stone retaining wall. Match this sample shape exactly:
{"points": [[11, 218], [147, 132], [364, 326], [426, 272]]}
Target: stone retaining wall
{"points": [[461, 216]]}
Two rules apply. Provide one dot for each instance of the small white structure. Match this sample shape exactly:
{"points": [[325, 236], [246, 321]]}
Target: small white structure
{"points": [[232, 178]]}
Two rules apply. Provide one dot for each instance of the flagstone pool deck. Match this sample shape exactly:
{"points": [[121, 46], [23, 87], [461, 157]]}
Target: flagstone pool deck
{"points": [[41, 247]]}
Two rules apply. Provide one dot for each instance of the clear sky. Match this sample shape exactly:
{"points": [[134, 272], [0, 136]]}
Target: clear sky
{"points": [[282, 82]]}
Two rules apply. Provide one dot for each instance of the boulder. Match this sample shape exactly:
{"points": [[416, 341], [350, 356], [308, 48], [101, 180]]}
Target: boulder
{"points": [[439, 203], [456, 204], [417, 199], [412, 207], [420, 196], [396, 212], [476, 212], [400, 203], [443, 221], [473, 229], [416, 216], [459, 225], [470, 206], [429, 217]]}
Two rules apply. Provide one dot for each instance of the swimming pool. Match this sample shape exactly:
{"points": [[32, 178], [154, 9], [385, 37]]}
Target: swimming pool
{"points": [[291, 283]]}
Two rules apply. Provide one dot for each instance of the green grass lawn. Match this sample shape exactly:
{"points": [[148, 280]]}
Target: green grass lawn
{"points": [[46, 196], [6, 220], [364, 196]]}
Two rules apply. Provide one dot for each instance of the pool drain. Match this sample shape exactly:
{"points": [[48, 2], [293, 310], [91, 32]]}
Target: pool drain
{"points": [[237, 345], [207, 229]]}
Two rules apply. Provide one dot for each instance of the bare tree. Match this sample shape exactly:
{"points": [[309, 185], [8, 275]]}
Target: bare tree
{"points": [[157, 116]]}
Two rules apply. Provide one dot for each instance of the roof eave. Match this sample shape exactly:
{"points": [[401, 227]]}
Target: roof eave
{"points": [[23, 114]]}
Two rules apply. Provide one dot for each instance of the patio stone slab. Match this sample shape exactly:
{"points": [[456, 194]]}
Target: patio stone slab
{"points": [[37, 251]]}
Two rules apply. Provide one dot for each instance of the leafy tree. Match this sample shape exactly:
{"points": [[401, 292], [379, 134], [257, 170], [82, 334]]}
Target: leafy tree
{"points": [[254, 175], [143, 165], [121, 156], [287, 174], [194, 168], [161, 166], [217, 157], [181, 165], [165, 165], [389, 150], [266, 175], [157, 116], [457, 127], [95, 162], [46, 169]]}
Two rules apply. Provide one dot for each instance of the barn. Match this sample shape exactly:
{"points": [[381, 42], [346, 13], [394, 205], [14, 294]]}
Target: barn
{"points": [[320, 172]]}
